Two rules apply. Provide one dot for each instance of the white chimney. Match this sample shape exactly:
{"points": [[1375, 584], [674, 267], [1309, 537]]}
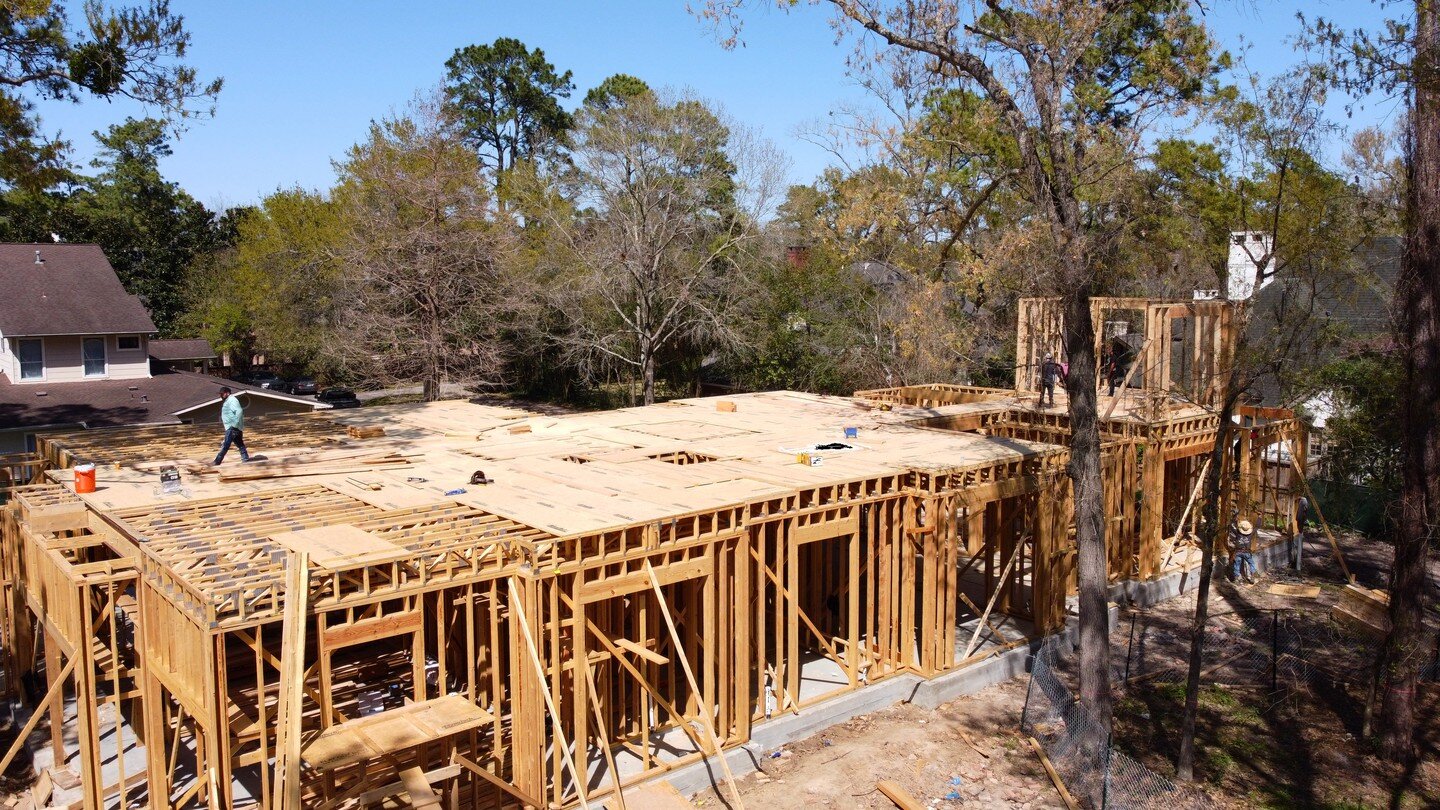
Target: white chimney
{"points": [[1247, 249]]}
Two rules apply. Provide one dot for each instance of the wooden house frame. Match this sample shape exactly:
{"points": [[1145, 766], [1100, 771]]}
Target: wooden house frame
{"points": [[630, 592], [1186, 344]]}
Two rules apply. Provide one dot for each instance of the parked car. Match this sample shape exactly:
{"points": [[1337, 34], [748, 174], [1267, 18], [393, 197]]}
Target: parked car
{"points": [[338, 398], [301, 385], [262, 379]]}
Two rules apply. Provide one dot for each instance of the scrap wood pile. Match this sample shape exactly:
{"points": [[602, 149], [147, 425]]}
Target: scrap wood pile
{"points": [[316, 462], [1364, 611]]}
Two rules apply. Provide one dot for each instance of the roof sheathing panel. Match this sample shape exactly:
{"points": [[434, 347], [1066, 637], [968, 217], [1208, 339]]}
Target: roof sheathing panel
{"points": [[551, 476]]}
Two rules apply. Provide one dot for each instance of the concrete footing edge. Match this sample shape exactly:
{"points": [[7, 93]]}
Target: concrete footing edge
{"points": [[776, 732]]}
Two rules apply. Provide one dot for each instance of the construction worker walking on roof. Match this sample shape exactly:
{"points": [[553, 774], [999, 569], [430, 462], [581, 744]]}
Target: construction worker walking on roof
{"points": [[1242, 540], [1050, 373], [232, 416]]}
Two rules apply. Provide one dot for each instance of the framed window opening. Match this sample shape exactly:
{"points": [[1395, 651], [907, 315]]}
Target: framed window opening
{"points": [[32, 358], [127, 343], [93, 351]]}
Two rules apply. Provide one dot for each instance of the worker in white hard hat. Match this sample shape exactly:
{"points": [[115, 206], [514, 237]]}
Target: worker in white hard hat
{"points": [[1242, 560], [1051, 372]]}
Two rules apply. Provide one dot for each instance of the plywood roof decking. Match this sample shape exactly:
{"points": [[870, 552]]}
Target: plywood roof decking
{"points": [[553, 477]]}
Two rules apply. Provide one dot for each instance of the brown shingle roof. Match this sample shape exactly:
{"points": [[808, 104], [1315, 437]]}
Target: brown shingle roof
{"points": [[73, 291], [165, 350], [109, 403]]}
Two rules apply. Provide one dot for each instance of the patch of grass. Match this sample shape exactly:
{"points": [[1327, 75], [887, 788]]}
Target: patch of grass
{"points": [[1174, 692], [1129, 705], [1244, 747], [1216, 698], [1275, 797], [396, 399], [1218, 763], [1245, 714], [1347, 804]]}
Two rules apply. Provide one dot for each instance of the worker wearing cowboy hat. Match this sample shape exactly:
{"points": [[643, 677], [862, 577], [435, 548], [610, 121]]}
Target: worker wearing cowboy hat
{"points": [[1242, 539]]}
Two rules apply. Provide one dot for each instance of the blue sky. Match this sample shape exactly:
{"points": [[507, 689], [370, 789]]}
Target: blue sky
{"points": [[304, 78]]}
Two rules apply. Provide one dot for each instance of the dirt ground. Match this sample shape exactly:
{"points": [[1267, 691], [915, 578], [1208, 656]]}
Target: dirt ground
{"points": [[920, 749], [1297, 749]]}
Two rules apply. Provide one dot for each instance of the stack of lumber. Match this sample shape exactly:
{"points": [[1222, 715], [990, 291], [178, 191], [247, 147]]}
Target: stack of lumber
{"points": [[364, 431], [325, 462], [1364, 611]]}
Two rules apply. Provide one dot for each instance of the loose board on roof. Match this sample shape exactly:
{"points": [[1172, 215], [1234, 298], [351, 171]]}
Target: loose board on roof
{"points": [[342, 546]]}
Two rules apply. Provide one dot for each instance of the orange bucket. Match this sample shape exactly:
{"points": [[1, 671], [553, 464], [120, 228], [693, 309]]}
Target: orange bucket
{"points": [[84, 478]]}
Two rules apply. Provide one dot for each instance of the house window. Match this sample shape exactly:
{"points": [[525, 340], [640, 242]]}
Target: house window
{"points": [[94, 354], [32, 359], [127, 343]]}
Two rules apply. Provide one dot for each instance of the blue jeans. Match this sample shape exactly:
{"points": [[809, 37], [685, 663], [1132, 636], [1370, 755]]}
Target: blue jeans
{"points": [[1238, 563], [234, 436]]}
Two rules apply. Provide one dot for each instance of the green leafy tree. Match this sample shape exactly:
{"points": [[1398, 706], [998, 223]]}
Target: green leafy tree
{"points": [[505, 97], [614, 91], [135, 52], [1362, 437], [150, 229], [1261, 174], [275, 291]]}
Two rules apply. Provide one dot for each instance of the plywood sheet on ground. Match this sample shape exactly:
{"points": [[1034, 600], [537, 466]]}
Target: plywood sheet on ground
{"points": [[656, 796], [1300, 591]]}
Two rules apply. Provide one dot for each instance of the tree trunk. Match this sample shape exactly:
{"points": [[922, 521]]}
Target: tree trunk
{"points": [[647, 376], [1093, 575], [1419, 292], [1209, 535], [434, 375]]}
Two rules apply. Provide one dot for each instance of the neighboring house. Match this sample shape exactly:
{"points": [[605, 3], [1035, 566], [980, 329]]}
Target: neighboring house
{"points": [[182, 355], [64, 317], [1355, 312], [75, 352]]}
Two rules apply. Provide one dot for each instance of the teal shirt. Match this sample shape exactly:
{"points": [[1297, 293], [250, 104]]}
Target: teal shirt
{"points": [[231, 414]]}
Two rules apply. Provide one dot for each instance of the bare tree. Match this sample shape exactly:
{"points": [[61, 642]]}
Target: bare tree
{"points": [[425, 288], [1072, 83], [667, 198]]}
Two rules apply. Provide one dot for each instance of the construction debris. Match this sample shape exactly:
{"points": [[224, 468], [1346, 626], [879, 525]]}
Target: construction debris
{"points": [[1054, 776], [365, 431], [1364, 611], [899, 795]]}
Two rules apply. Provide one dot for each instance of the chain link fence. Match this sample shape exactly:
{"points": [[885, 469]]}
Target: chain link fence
{"points": [[1273, 651], [1093, 769], [1277, 649]]}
